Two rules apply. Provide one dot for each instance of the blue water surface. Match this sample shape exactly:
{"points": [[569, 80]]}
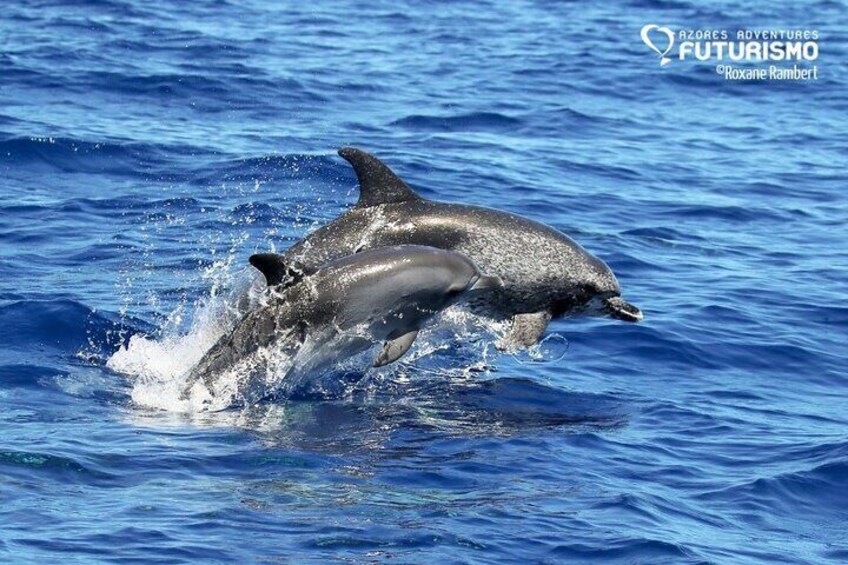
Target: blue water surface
{"points": [[148, 148]]}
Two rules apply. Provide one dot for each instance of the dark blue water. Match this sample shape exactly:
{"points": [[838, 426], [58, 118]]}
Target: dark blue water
{"points": [[148, 148]]}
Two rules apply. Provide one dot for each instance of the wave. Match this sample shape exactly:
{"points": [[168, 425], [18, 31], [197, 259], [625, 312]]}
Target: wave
{"points": [[729, 213], [113, 157], [446, 403], [818, 490], [175, 163], [238, 86], [509, 404], [65, 326], [299, 169], [475, 121], [629, 550], [27, 464], [26, 375]]}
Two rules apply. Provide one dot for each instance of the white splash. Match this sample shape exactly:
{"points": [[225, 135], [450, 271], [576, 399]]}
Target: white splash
{"points": [[159, 364]]}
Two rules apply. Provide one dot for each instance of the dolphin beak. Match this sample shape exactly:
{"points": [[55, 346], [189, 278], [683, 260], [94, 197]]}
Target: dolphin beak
{"points": [[618, 308], [485, 282]]}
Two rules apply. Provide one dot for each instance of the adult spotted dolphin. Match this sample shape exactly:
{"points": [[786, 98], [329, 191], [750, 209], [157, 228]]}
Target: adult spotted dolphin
{"points": [[545, 273], [385, 294]]}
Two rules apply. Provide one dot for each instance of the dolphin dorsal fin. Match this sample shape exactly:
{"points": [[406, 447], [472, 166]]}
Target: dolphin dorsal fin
{"points": [[276, 270], [377, 183], [270, 265]]}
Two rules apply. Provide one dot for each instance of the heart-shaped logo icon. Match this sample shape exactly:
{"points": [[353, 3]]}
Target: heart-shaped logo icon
{"points": [[646, 37]]}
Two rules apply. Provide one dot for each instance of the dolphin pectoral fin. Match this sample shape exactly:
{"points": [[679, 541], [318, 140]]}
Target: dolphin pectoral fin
{"points": [[394, 349], [276, 270], [485, 282], [378, 184], [526, 331]]}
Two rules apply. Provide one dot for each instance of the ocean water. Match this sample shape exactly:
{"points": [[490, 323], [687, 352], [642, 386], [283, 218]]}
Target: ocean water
{"points": [[148, 148]]}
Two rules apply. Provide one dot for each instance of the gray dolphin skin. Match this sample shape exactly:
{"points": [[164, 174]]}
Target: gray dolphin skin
{"points": [[391, 291], [545, 273]]}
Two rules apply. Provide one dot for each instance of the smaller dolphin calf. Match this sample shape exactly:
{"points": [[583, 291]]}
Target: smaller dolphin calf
{"points": [[385, 294]]}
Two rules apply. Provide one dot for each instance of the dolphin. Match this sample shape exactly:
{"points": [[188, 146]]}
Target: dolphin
{"points": [[384, 294], [545, 273]]}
